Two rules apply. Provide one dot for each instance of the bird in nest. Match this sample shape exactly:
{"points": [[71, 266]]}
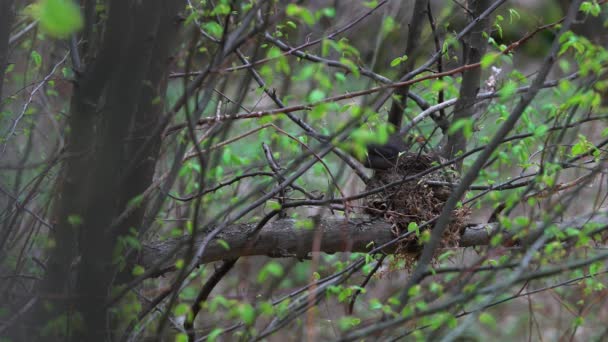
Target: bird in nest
{"points": [[394, 162]]}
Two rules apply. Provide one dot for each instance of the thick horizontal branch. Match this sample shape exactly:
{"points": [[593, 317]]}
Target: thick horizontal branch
{"points": [[284, 238]]}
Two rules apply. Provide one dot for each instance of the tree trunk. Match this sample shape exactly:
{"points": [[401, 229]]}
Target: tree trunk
{"points": [[7, 13], [113, 112], [475, 47]]}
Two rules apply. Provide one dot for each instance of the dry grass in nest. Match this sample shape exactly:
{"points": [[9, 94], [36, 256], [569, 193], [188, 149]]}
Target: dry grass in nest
{"points": [[415, 201]]}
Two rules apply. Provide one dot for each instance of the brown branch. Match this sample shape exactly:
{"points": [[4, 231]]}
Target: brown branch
{"points": [[349, 95], [283, 238]]}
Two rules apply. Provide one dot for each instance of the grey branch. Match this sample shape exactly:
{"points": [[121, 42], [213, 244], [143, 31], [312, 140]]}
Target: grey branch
{"points": [[284, 238]]}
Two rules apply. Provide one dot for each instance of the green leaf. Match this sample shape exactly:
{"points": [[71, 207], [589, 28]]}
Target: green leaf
{"points": [[466, 125], [540, 130], [272, 268], [329, 12], [489, 59], [306, 224], [306, 73], [413, 227], [316, 95], [398, 60], [75, 220], [181, 337], [421, 305], [351, 66], [291, 24], [487, 319], [223, 243], [274, 205], [135, 201], [303, 13], [591, 7], [388, 25], [582, 146], [414, 291], [507, 90], [247, 314], [595, 268], [348, 322], [213, 28], [138, 270], [36, 58], [189, 293], [181, 309], [221, 9], [513, 14], [59, 18], [214, 334]]}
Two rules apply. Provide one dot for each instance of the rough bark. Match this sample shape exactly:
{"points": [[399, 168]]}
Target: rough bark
{"points": [[282, 238]]}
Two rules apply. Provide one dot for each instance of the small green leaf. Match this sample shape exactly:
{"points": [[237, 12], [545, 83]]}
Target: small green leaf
{"points": [[398, 60], [273, 205], [466, 125], [351, 66], [329, 12], [388, 25], [213, 28], [138, 270], [487, 319], [591, 7], [272, 268], [340, 76], [540, 130], [316, 95], [303, 13], [582, 146], [181, 309], [507, 90], [348, 322], [75, 220], [135, 201], [36, 58], [413, 227], [214, 334], [305, 224], [221, 9], [247, 314], [489, 59], [223, 243], [414, 291]]}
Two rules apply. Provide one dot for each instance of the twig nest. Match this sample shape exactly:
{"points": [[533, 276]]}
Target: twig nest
{"points": [[419, 200]]}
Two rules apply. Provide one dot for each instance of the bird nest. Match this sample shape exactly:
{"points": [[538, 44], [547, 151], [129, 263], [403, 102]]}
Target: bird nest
{"points": [[419, 200]]}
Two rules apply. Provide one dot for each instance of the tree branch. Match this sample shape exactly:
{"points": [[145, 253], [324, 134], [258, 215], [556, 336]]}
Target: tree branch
{"points": [[283, 238]]}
